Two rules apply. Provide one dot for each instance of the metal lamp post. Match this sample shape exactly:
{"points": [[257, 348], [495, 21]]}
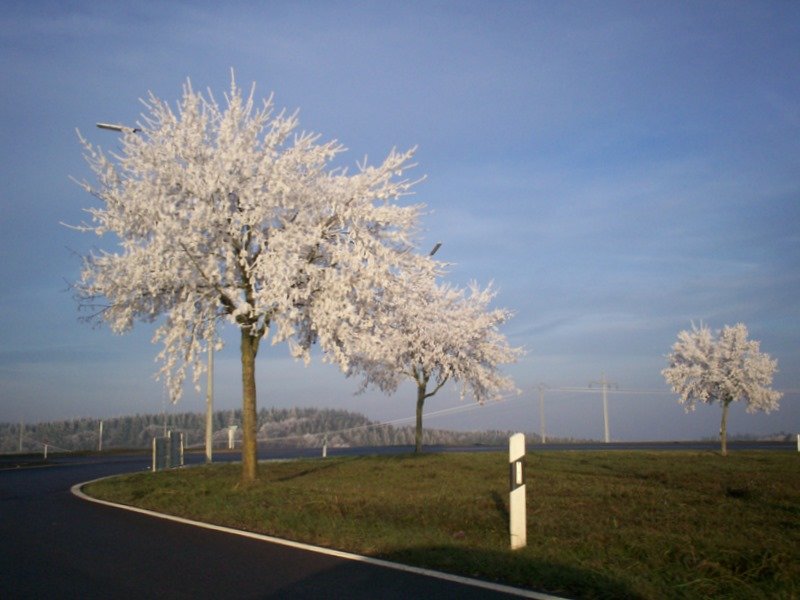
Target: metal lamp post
{"points": [[210, 401], [210, 383]]}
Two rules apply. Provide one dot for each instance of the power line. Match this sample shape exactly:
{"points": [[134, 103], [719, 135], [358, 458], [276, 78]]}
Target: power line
{"points": [[404, 420], [593, 390], [524, 395]]}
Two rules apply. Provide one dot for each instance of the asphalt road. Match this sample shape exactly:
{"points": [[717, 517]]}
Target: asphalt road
{"points": [[55, 545]]}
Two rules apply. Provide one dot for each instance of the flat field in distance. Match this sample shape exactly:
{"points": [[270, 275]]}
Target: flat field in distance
{"points": [[601, 524]]}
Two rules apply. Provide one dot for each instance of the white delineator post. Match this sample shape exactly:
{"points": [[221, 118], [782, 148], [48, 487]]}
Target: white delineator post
{"points": [[518, 527]]}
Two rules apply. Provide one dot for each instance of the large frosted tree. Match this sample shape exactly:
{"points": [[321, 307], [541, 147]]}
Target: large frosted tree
{"points": [[726, 367], [226, 214], [432, 333]]}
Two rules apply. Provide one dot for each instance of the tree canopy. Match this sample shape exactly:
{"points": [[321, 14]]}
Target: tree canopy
{"points": [[228, 213], [432, 333], [723, 367]]}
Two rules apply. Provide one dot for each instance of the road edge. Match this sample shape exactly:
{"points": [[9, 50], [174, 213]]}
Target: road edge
{"points": [[77, 490]]}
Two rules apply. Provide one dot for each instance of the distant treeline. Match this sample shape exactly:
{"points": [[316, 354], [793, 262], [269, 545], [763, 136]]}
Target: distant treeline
{"points": [[288, 427]]}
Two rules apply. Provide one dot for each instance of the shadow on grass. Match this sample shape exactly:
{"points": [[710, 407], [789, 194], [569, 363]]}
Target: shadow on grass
{"points": [[402, 457], [518, 570], [368, 581], [501, 505], [305, 472]]}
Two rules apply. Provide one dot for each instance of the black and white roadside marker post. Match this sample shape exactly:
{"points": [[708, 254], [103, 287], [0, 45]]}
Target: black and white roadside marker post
{"points": [[518, 527]]}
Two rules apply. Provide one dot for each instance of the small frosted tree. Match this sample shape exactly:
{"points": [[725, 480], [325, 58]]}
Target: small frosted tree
{"points": [[723, 368], [433, 333], [224, 213]]}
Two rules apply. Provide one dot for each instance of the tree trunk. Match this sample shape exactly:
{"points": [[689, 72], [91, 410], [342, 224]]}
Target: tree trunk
{"points": [[421, 389], [723, 428], [249, 349]]}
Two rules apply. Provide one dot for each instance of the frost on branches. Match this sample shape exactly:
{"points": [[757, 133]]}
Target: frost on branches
{"points": [[723, 368], [226, 213], [434, 333]]}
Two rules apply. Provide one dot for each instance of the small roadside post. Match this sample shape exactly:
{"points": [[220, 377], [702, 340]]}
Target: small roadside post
{"points": [[168, 451], [160, 453], [518, 527]]}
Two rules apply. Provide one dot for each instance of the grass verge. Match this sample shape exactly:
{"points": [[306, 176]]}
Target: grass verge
{"points": [[600, 524]]}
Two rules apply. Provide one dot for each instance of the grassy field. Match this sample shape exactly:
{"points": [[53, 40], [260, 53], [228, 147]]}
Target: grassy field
{"points": [[600, 524]]}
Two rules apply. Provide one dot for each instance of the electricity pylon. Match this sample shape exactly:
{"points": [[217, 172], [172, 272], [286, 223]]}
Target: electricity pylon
{"points": [[542, 434], [604, 384]]}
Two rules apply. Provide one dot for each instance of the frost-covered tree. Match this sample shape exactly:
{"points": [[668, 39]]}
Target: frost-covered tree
{"points": [[722, 368], [433, 333], [225, 213]]}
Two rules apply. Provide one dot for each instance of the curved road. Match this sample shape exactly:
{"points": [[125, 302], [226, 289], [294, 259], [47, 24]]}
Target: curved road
{"points": [[54, 545]]}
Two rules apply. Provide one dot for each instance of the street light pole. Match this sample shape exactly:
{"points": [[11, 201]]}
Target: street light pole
{"points": [[210, 401], [210, 385], [118, 128]]}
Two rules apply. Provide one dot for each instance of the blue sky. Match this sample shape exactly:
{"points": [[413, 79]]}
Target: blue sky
{"points": [[618, 169]]}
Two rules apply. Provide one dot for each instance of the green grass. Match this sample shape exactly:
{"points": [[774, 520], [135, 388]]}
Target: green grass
{"points": [[600, 524]]}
